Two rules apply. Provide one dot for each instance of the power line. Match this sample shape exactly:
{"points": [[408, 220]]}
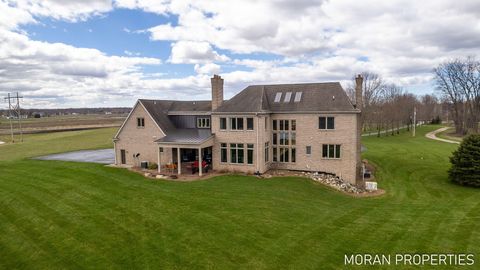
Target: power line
{"points": [[14, 110]]}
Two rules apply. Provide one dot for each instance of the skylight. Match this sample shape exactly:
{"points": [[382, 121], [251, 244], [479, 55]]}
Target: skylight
{"points": [[288, 96], [278, 96], [298, 97]]}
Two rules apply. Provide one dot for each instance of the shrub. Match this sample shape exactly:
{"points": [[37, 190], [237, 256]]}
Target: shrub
{"points": [[152, 166], [437, 120], [465, 161]]}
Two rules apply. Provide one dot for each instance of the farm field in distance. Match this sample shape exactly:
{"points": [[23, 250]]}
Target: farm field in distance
{"points": [[57, 214], [63, 122]]}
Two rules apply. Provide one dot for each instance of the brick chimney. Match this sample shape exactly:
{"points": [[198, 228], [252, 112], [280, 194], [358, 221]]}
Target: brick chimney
{"points": [[359, 105], [217, 91], [358, 92]]}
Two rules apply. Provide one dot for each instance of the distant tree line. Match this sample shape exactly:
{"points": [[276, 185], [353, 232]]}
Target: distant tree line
{"points": [[37, 113], [458, 81], [387, 107]]}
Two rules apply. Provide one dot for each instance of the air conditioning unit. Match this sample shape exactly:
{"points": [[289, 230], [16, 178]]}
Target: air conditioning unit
{"points": [[371, 186]]}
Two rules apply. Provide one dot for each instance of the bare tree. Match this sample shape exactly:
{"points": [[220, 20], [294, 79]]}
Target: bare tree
{"points": [[373, 87], [459, 83], [428, 107]]}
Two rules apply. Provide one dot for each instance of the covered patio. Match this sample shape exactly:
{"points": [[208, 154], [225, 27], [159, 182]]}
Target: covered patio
{"points": [[190, 149]]}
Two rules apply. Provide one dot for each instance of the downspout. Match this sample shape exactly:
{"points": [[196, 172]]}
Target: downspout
{"points": [[257, 163], [115, 151]]}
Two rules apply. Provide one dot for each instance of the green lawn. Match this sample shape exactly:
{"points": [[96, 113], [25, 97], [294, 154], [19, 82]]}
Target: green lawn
{"points": [[447, 134], [76, 215]]}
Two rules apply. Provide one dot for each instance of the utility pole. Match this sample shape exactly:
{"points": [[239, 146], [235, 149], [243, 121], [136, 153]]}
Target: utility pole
{"points": [[414, 120], [19, 114], [10, 116], [14, 108]]}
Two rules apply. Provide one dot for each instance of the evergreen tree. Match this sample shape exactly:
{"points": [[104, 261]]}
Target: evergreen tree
{"points": [[465, 161]]}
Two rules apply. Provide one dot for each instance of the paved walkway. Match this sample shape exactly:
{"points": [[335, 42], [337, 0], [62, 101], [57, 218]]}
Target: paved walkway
{"points": [[103, 156], [432, 135]]}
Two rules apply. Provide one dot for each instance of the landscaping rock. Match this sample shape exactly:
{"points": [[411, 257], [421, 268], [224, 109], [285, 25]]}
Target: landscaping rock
{"points": [[335, 182], [147, 174], [161, 176]]}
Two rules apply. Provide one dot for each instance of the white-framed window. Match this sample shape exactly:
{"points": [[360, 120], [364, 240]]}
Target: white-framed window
{"points": [[237, 152], [203, 122], [284, 154], [249, 123], [267, 151], [298, 97], [140, 122], [308, 150], [284, 140], [236, 123], [326, 122], [288, 96], [223, 123], [223, 153], [278, 96], [250, 154], [331, 151]]}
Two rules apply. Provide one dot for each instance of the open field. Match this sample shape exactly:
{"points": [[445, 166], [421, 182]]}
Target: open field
{"points": [[80, 215], [63, 122]]}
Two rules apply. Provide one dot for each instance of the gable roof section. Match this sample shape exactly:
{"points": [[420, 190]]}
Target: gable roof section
{"points": [[159, 110], [138, 103], [316, 97]]}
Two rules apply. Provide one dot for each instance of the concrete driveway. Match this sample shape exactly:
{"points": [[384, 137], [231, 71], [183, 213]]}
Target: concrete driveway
{"points": [[103, 156]]}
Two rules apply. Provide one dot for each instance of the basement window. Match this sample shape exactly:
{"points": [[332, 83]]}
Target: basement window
{"points": [[278, 97]]}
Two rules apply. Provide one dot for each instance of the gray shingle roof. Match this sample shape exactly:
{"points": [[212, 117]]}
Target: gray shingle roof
{"points": [[316, 97], [191, 106], [189, 135], [159, 110]]}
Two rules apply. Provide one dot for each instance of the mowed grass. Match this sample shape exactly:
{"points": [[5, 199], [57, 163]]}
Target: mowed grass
{"points": [[78, 215], [449, 135], [56, 142]]}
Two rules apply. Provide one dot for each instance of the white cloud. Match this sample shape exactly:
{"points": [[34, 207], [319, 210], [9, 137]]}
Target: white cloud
{"points": [[208, 69], [311, 40], [399, 38], [70, 10], [193, 52], [71, 75], [129, 53]]}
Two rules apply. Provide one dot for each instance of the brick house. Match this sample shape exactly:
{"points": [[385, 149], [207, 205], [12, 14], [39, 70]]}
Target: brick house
{"points": [[308, 127]]}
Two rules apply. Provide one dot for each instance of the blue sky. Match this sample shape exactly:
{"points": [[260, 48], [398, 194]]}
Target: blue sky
{"points": [[110, 53]]}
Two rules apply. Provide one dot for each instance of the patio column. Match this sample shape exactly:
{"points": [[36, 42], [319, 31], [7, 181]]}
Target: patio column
{"points": [[200, 161], [179, 165], [159, 165]]}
